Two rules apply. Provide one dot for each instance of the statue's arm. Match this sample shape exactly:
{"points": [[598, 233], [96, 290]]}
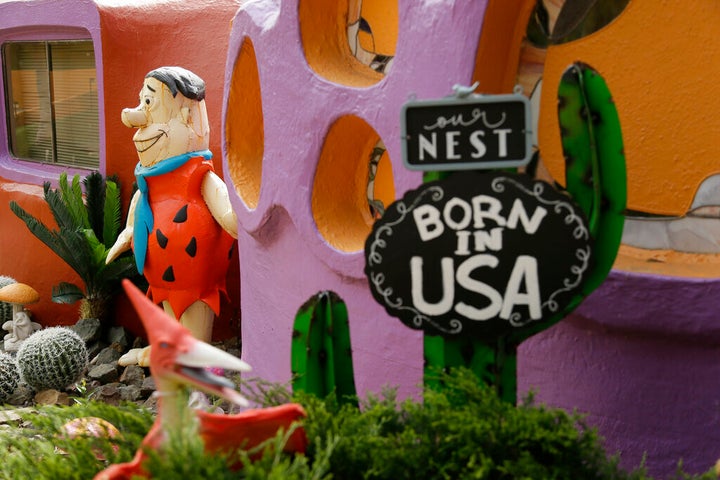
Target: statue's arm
{"points": [[215, 193], [124, 240]]}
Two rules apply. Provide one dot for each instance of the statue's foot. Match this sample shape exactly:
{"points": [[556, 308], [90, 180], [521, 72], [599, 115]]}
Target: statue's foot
{"points": [[136, 356], [11, 345]]}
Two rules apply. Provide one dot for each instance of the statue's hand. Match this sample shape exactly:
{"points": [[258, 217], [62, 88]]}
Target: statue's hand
{"points": [[121, 245]]}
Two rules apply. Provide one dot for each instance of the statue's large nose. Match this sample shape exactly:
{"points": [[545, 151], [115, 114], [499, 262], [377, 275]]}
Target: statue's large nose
{"points": [[134, 117]]}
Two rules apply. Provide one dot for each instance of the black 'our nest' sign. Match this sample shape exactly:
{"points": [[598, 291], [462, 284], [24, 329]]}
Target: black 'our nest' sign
{"points": [[478, 253], [474, 132]]}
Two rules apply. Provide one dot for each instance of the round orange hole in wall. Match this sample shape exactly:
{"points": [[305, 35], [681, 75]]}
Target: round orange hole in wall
{"points": [[349, 42], [244, 130], [341, 207]]}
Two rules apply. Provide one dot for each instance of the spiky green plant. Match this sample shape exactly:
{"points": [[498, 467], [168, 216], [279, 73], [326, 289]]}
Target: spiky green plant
{"points": [[9, 376], [88, 226], [55, 357], [6, 310]]}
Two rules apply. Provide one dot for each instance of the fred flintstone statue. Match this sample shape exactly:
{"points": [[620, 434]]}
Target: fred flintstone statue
{"points": [[180, 224]]}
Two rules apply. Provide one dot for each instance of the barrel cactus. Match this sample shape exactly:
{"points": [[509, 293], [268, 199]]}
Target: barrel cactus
{"points": [[52, 358], [9, 376], [6, 310]]}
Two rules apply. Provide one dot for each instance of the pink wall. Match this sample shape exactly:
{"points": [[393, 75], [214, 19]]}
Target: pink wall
{"points": [[283, 258], [640, 356]]}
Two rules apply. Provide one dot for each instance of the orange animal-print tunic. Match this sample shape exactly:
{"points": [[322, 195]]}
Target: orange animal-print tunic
{"points": [[188, 253]]}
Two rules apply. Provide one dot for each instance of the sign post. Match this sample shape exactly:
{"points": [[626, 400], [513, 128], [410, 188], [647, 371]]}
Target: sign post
{"points": [[478, 258], [466, 133], [482, 260]]}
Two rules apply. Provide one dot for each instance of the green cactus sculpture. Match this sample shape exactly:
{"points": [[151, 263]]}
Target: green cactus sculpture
{"points": [[321, 350], [6, 310], [9, 376], [595, 178], [52, 358]]}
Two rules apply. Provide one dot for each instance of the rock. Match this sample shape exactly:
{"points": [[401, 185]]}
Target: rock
{"points": [[94, 348], [232, 342], [52, 397], [129, 393], [14, 415], [109, 393], [151, 403], [200, 401], [22, 395], [148, 386], [89, 329], [236, 352], [133, 375], [139, 343], [109, 354], [120, 336], [104, 373]]}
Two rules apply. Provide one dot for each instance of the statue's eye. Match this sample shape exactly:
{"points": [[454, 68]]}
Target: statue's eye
{"points": [[147, 101], [164, 345]]}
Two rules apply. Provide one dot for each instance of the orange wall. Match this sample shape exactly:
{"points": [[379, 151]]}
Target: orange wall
{"points": [[661, 66], [135, 40]]}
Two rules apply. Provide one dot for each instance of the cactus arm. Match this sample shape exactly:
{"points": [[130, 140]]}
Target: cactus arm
{"points": [[595, 162], [321, 354], [305, 350], [578, 141], [342, 362], [612, 177], [606, 192], [328, 348]]}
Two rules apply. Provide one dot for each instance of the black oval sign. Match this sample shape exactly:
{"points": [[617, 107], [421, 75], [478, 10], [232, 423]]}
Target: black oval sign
{"points": [[478, 253]]}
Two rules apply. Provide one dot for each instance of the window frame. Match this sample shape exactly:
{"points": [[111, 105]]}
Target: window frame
{"points": [[34, 172]]}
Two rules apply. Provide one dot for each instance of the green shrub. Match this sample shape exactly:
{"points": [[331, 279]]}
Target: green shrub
{"points": [[463, 432], [32, 449]]}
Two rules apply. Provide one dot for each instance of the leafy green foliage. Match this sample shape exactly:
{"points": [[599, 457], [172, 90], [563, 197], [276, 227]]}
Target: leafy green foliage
{"points": [[462, 431], [87, 227], [37, 448], [185, 458]]}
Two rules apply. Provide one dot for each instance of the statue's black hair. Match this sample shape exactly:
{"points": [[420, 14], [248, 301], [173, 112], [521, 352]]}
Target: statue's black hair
{"points": [[180, 80]]}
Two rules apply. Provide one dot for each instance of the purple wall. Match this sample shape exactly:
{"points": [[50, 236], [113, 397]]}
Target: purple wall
{"points": [[283, 258], [641, 356]]}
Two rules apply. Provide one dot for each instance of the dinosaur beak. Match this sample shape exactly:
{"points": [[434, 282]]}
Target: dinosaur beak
{"points": [[191, 367]]}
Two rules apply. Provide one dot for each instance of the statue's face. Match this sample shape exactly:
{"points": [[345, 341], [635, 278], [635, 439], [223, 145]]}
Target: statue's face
{"points": [[21, 319], [167, 126]]}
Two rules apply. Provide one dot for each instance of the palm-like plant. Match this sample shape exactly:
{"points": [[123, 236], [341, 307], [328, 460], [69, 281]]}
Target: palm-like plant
{"points": [[87, 227]]}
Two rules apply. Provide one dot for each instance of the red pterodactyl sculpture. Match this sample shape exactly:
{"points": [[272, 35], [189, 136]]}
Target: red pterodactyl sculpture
{"points": [[178, 360]]}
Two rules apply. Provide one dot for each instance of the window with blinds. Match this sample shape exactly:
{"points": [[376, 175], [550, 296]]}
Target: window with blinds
{"points": [[51, 101]]}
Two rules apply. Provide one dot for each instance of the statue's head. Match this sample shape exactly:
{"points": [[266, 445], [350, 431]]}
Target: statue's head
{"points": [[171, 118]]}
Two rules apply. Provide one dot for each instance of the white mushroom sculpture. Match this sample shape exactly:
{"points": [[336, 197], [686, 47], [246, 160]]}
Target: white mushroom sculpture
{"points": [[20, 327]]}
